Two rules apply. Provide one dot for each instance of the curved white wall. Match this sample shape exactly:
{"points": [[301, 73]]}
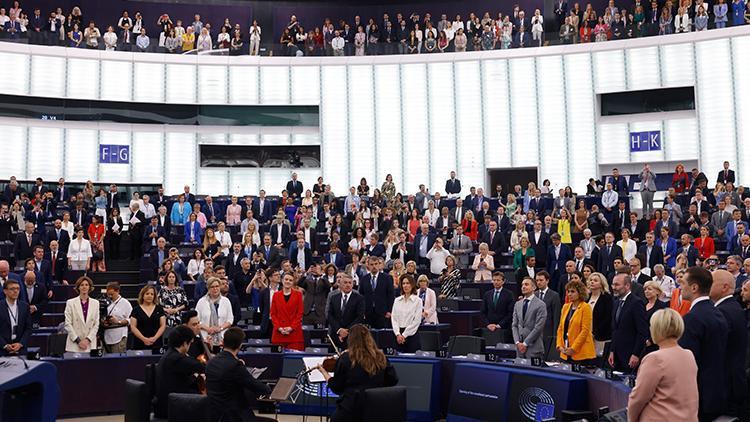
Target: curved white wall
{"points": [[417, 117]]}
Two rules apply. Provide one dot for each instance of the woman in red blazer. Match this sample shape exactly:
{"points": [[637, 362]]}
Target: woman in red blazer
{"points": [[680, 179], [705, 244], [286, 315], [470, 225]]}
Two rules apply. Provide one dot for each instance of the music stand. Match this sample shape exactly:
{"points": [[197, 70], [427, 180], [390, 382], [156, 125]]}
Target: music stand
{"points": [[282, 391]]}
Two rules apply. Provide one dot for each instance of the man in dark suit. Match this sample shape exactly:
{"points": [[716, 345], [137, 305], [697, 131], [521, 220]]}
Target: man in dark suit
{"points": [[12, 28], [159, 254], [554, 307], [453, 185], [619, 184], [651, 253], [189, 197], [540, 242], [334, 256], [136, 223], [373, 248], [423, 242], [112, 198], [228, 382], [36, 28], [274, 284], [35, 295], [262, 209], [25, 242], [497, 307], [377, 289], [496, 242], [607, 255], [621, 218], [629, 326], [58, 259], [62, 193], [580, 260], [57, 233], [557, 255], [152, 233], [301, 259], [80, 217], [726, 175], [213, 211], [529, 269], [688, 249], [458, 211], [294, 187], [14, 331], [346, 307], [37, 217], [43, 268], [722, 294], [271, 253], [280, 234], [233, 262], [176, 368], [561, 12], [706, 332]]}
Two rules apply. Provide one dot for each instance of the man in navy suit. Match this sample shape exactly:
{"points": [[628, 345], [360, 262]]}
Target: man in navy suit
{"points": [[35, 295], [36, 27], [43, 269], [15, 320], [496, 242], [152, 233], [374, 248], [497, 306], [619, 184], [557, 255], [629, 326], [706, 332], [59, 234], [726, 175], [271, 253], [212, 211], [262, 209], [377, 289], [79, 216], [335, 257], [522, 38], [722, 294], [423, 242], [12, 28], [345, 308], [25, 242], [294, 187], [688, 249], [651, 253], [607, 255], [58, 259], [37, 217]]}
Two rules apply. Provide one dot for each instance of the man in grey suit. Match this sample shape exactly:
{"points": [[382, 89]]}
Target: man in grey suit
{"points": [[529, 318], [552, 301], [421, 198], [648, 187], [461, 247]]}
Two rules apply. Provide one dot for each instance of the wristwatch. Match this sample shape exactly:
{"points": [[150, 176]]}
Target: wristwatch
{"points": [[77, 340]]}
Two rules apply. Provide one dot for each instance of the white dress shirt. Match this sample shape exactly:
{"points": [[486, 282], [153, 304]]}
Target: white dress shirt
{"points": [[406, 314], [120, 310]]}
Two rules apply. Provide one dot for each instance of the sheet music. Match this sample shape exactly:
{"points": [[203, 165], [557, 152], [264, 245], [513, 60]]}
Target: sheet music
{"points": [[256, 372], [311, 362]]}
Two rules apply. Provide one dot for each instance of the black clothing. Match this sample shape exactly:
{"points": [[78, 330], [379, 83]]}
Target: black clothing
{"points": [[226, 382], [348, 382], [175, 375]]}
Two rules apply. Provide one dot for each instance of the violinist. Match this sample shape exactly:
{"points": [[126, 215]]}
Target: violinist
{"points": [[176, 370], [363, 365], [228, 381]]}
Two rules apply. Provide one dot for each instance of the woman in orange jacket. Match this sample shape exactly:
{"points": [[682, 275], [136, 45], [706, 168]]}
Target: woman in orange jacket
{"points": [[575, 340]]}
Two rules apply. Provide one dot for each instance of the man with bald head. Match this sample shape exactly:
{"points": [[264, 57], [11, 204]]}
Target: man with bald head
{"points": [[35, 295], [722, 291], [5, 275]]}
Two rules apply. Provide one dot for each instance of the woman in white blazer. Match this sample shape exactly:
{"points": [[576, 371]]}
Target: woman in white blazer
{"points": [[406, 316], [79, 252], [213, 322], [429, 300], [483, 264], [82, 318]]}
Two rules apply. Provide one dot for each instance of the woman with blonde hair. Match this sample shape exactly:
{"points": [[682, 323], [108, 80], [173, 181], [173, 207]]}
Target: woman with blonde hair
{"points": [[601, 303], [575, 341], [484, 264], [667, 384], [148, 320], [214, 313], [397, 271]]}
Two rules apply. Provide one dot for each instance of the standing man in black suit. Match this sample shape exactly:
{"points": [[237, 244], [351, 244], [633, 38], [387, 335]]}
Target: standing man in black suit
{"points": [[554, 307], [496, 243], [41, 189], [112, 198], [58, 234], [273, 278], [152, 233], [43, 269], [228, 382], [233, 261], [497, 307], [270, 252], [650, 252], [557, 255], [25, 242], [705, 335], [35, 295], [377, 289], [262, 209], [346, 307], [722, 294], [453, 185], [15, 320], [135, 228], [540, 242], [423, 242], [629, 326], [189, 197], [607, 255], [59, 261], [294, 187], [726, 175]]}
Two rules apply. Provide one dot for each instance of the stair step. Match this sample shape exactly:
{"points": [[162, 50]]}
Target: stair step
{"points": [[123, 277]]}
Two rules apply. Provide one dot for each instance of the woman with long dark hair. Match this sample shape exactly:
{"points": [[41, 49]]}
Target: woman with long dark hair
{"points": [[363, 365]]}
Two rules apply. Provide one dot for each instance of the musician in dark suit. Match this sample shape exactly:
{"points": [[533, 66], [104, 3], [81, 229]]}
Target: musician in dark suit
{"points": [[722, 294], [497, 307], [706, 332], [629, 326], [453, 185], [726, 175], [228, 382], [176, 370], [377, 289], [651, 253], [14, 331], [294, 187], [346, 308]]}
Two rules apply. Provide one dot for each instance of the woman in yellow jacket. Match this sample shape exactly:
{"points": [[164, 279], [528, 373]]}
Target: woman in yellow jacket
{"points": [[575, 340], [563, 227]]}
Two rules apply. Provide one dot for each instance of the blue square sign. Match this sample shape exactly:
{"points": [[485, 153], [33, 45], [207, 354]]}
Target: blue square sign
{"points": [[114, 154], [645, 141], [544, 411]]}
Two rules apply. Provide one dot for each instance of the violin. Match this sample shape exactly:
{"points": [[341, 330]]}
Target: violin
{"points": [[203, 358]]}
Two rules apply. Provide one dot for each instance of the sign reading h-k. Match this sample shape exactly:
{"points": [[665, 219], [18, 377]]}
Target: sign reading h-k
{"points": [[645, 141]]}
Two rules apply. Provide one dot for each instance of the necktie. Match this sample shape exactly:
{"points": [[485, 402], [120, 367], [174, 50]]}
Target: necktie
{"points": [[54, 258], [541, 295], [497, 296], [28, 238], [525, 308], [422, 296], [343, 303], [609, 250], [374, 281], [492, 236], [620, 303]]}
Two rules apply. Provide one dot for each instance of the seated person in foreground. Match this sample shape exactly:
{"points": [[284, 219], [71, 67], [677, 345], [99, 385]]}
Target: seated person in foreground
{"points": [[176, 372]]}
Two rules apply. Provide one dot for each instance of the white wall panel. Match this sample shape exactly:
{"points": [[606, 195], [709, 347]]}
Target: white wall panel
{"points": [[442, 125], [716, 105], [275, 139], [81, 154], [388, 114], [274, 85], [741, 61], [116, 173], [244, 83], [180, 162], [243, 182], [181, 83], [45, 152], [213, 181], [643, 68], [495, 105], [609, 71], [581, 124], [213, 138], [14, 149], [15, 71], [305, 85], [48, 76], [416, 142], [149, 82], [83, 78], [469, 140], [212, 84], [677, 65], [613, 143], [361, 124], [524, 123], [147, 157], [681, 139], [554, 159], [244, 139], [334, 113], [117, 80], [273, 181]]}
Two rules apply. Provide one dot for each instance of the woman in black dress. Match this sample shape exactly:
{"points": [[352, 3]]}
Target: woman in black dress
{"points": [[363, 365], [148, 321], [114, 230]]}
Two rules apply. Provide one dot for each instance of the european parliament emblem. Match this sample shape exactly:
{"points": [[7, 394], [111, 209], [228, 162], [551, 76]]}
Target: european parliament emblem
{"points": [[536, 404], [544, 412]]}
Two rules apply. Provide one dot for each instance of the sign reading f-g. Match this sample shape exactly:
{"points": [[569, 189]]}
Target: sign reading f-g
{"points": [[645, 141], [114, 154]]}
